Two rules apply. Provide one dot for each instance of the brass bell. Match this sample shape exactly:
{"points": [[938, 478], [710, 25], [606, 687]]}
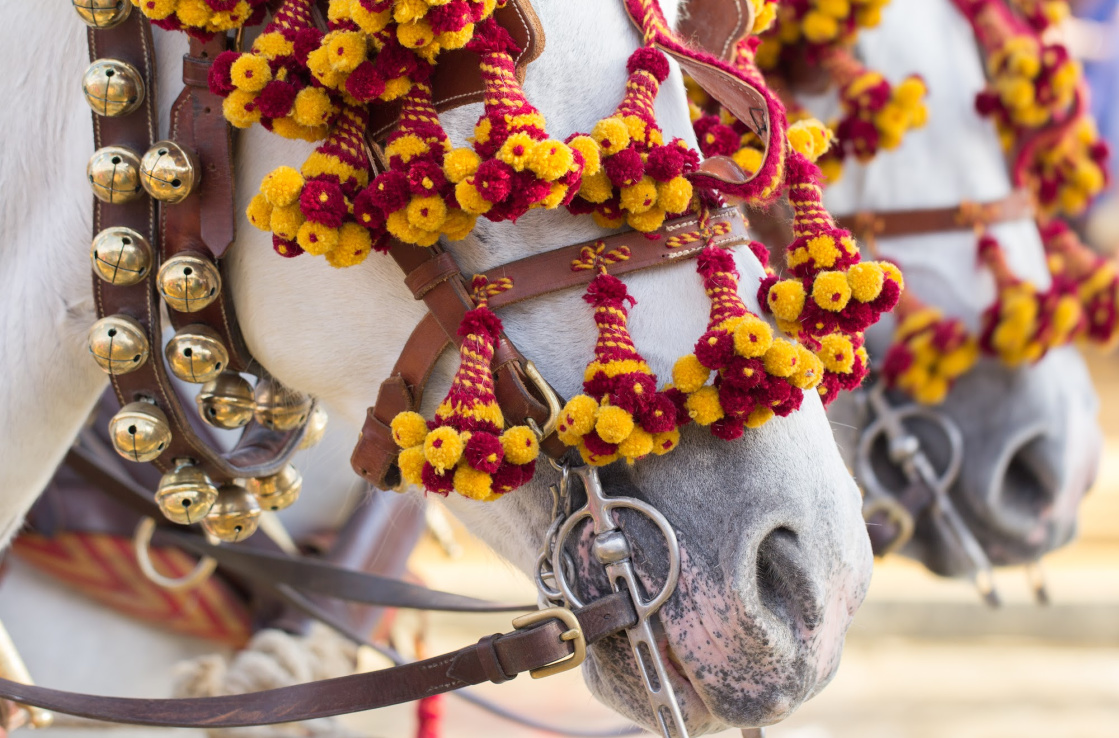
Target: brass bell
{"points": [[188, 282], [169, 172], [185, 495], [118, 344], [102, 13], [140, 431], [316, 428], [196, 354], [114, 174], [279, 408], [121, 256], [277, 491], [226, 401], [113, 87], [235, 516]]}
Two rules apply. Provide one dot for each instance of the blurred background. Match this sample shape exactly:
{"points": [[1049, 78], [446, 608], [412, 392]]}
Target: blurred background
{"points": [[924, 658]]}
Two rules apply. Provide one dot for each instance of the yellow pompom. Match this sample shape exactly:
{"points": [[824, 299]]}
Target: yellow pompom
{"points": [[703, 405], [637, 444], [405, 11], [782, 359], [458, 224], [371, 23], [282, 186], [831, 291], [551, 160], [354, 244], [456, 39], [866, 279], [689, 375], [577, 419], [764, 18], [910, 92], [427, 213], [665, 442], [520, 445], [250, 73], [443, 448], [647, 222], [312, 107], [749, 159], [259, 212], [611, 135], [640, 196], [818, 27], [411, 462], [752, 337], [288, 128], [285, 221], [408, 429], [786, 300], [759, 417], [470, 199], [891, 271], [517, 150], [469, 482], [395, 88], [837, 353], [605, 221], [460, 164], [157, 9], [596, 187], [613, 424], [316, 239], [397, 224], [345, 49], [809, 371], [239, 109], [824, 251], [415, 35], [810, 138], [587, 146], [674, 195]]}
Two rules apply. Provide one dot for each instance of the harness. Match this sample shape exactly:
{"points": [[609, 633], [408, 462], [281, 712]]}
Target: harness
{"points": [[149, 256]]}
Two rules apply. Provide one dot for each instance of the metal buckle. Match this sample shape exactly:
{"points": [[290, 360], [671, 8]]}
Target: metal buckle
{"points": [[895, 513], [573, 633], [550, 396]]}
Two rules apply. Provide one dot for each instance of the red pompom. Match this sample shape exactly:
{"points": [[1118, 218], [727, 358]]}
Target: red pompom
{"points": [[624, 168], [650, 60], [484, 452], [220, 78], [276, 99], [480, 322], [323, 202], [440, 484]]}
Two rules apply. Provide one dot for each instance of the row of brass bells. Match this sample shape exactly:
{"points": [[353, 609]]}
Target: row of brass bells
{"points": [[235, 514], [278, 408], [278, 491], [185, 494], [196, 354], [226, 401], [119, 344], [102, 14], [168, 172]]}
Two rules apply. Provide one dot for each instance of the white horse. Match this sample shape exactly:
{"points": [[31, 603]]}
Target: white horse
{"points": [[775, 558], [1031, 438]]}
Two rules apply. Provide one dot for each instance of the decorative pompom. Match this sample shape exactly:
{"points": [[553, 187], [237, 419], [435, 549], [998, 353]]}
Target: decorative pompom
{"points": [[409, 429], [443, 448], [520, 445]]}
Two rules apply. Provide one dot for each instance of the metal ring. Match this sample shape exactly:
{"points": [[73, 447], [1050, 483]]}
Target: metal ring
{"points": [[864, 469], [141, 543], [643, 607]]}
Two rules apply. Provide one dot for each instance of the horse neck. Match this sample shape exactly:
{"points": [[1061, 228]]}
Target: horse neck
{"points": [[956, 158]]}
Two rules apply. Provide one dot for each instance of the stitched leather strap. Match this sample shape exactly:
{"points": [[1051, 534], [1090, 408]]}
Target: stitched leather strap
{"points": [[716, 25], [516, 652], [868, 226], [434, 277]]}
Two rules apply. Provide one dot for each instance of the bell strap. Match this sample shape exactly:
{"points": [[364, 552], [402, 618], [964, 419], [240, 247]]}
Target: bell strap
{"points": [[497, 658], [434, 277], [966, 216]]}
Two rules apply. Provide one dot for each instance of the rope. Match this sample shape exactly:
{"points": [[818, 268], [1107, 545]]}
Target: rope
{"points": [[592, 257]]}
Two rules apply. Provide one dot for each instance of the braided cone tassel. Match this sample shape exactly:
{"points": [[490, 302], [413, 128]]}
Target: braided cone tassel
{"points": [[633, 177], [414, 200], [514, 165], [929, 352], [271, 84], [755, 375], [1024, 323], [1094, 280], [466, 448], [622, 415], [312, 210]]}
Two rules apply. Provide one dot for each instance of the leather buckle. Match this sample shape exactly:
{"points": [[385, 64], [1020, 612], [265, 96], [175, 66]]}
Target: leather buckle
{"points": [[573, 633], [896, 514]]}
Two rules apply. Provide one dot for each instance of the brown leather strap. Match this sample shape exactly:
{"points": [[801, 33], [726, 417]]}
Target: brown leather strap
{"points": [[504, 656], [433, 276], [1018, 205], [457, 79], [716, 25]]}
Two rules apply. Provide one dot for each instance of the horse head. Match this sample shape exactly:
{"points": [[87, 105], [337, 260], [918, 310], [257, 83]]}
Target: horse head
{"points": [[1030, 442]]}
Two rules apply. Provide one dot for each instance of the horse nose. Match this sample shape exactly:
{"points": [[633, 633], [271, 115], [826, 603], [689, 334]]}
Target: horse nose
{"points": [[1025, 483], [787, 585]]}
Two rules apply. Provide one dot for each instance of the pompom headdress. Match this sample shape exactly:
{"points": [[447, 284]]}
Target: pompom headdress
{"points": [[930, 351], [467, 448], [202, 18]]}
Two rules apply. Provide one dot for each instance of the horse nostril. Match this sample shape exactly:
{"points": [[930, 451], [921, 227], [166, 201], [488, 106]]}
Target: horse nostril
{"points": [[784, 587], [1028, 487]]}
